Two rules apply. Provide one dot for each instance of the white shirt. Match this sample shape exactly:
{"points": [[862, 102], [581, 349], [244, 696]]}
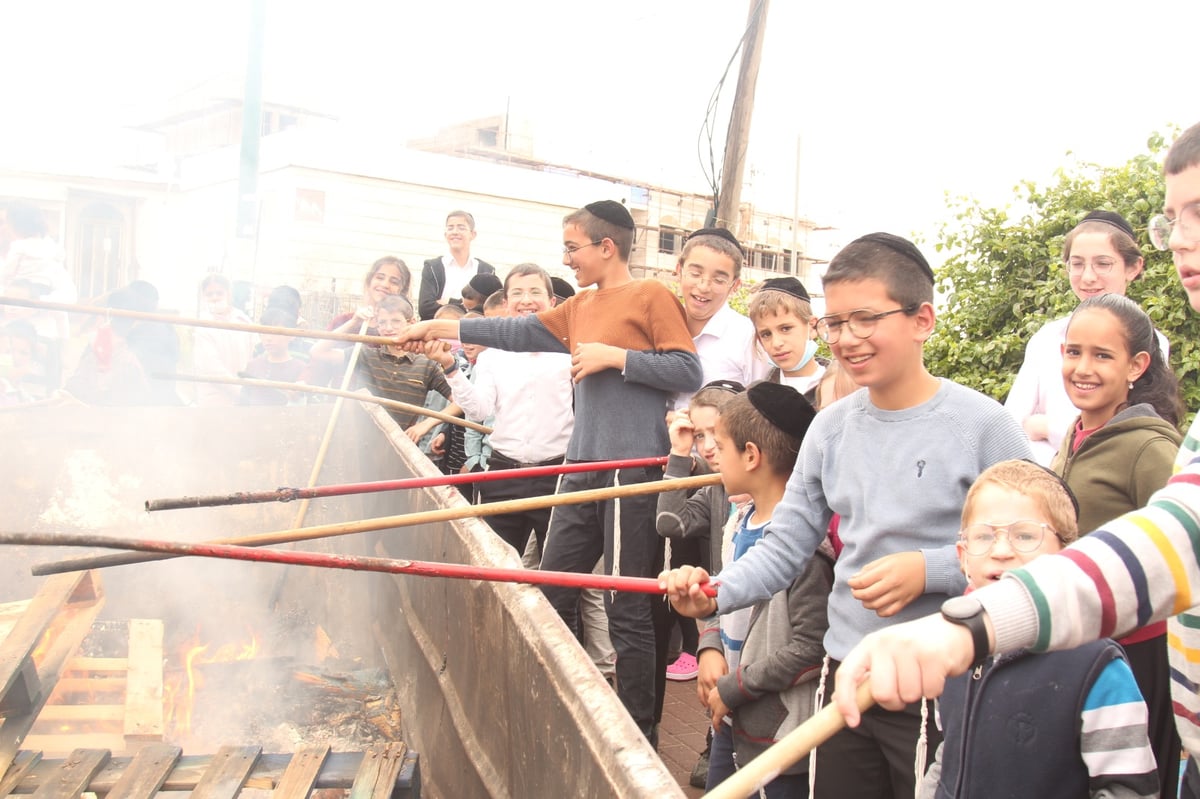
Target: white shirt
{"points": [[728, 351], [1039, 389], [803, 383], [531, 396], [457, 276]]}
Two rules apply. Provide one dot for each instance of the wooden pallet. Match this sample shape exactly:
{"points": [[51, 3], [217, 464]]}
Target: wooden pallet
{"points": [[111, 703], [385, 771]]}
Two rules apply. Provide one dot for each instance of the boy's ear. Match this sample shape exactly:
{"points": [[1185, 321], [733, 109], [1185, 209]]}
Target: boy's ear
{"points": [[753, 456], [926, 319]]}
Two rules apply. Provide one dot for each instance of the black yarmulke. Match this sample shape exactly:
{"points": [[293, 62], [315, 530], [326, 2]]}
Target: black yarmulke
{"points": [[612, 212], [788, 285], [901, 246], [485, 284], [1112, 218], [562, 289], [719, 232], [783, 406]]}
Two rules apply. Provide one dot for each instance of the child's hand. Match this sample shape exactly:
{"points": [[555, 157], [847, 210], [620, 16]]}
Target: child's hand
{"points": [[682, 587], [682, 433], [713, 667], [418, 430], [439, 352], [437, 445], [718, 708], [591, 358], [364, 314], [888, 584], [414, 336]]}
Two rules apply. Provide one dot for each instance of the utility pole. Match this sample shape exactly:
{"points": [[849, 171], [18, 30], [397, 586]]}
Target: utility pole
{"points": [[737, 137]]}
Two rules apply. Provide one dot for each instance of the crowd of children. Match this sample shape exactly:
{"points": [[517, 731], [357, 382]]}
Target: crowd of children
{"points": [[835, 537]]}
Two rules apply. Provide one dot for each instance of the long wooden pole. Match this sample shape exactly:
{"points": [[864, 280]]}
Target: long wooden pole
{"points": [[788, 750], [402, 520], [333, 392], [454, 571], [403, 484], [172, 319]]}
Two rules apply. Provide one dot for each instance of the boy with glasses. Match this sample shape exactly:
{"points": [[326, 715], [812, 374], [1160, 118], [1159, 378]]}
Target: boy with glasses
{"points": [[630, 352], [443, 278], [1085, 700], [895, 462], [1140, 568]]}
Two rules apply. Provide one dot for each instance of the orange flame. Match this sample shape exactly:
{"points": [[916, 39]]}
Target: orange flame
{"points": [[179, 692]]}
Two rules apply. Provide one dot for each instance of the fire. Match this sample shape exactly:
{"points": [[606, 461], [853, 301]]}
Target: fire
{"points": [[179, 690]]}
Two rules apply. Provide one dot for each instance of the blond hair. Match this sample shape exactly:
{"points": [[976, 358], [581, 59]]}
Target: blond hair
{"points": [[1036, 482]]}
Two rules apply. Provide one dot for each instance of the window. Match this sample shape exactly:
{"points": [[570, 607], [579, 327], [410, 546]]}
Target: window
{"points": [[669, 240], [489, 137]]}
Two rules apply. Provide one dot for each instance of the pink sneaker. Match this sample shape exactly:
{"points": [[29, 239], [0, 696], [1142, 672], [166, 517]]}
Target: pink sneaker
{"points": [[684, 668]]}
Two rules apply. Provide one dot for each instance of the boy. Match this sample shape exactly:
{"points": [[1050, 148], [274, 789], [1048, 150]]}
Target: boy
{"points": [[1140, 568], [442, 278], [530, 397], [709, 270], [478, 289], [630, 351], [895, 463], [1085, 700], [276, 362], [781, 312]]}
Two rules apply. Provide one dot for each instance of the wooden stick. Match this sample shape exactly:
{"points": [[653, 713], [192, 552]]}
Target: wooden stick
{"points": [[403, 484], [172, 319], [454, 571], [788, 750], [403, 520], [361, 395]]}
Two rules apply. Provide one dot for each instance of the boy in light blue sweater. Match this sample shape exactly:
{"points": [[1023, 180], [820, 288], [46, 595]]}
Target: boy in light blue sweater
{"points": [[895, 462]]}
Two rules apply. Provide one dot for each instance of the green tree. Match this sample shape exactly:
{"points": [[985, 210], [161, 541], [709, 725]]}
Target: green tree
{"points": [[1004, 277]]}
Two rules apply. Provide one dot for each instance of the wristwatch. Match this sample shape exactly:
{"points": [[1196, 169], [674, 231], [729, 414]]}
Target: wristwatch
{"points": [[967, 611]]}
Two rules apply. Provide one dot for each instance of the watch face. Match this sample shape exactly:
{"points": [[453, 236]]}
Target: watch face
{"points": [[961, 607]]}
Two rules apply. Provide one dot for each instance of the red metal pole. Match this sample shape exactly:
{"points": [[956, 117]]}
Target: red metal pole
{"points": [[343, 489], [454, 571]]}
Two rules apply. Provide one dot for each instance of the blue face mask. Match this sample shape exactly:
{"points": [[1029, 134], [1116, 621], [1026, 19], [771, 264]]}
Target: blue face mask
{"points": [[810, 349]]}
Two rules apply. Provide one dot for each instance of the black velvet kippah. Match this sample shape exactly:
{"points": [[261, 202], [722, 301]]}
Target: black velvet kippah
{"points": [[732, 386], [485, 284], [1111, 218], [562, 289], [719, 232], [783, 406], [611, 212], [788, 285], [900, 246]]}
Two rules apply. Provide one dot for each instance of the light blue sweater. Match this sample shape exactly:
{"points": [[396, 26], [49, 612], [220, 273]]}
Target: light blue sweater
{"points": [[898, 479]]}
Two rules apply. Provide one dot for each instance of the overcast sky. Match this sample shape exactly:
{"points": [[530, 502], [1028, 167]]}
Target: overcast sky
{"points": [[894, 104]]}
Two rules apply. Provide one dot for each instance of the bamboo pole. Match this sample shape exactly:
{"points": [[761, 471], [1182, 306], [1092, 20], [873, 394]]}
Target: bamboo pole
{"points": [[788, 750], [172, 319], [453, 571], [402, 520], [333, 392], [346, 489]]}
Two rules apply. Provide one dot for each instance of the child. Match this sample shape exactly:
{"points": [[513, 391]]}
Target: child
{"points": [[1102, 257], [223, 353], [496, 305], [895, 461], [1084, 718], [769, 656], [1140, 568], [477, 290], [833, 386], [276, 363], [1121, 452], [442, 277], [630, 351], [781, 312], [709, 270]]}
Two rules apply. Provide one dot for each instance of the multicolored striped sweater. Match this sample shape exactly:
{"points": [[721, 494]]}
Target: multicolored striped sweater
{"points": [[1140, 568]]}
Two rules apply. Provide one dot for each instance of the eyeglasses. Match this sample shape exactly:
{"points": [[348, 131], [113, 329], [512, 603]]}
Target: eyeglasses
{"points": [[862, 323], [520, 294], [1101, 266], [1189, 226], [1024, 535], [720, 281], [570, 249]]}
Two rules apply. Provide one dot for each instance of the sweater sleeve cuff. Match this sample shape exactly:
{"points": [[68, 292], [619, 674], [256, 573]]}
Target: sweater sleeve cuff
{"points": [[943, 572], [1012, 614], [678, 466]]}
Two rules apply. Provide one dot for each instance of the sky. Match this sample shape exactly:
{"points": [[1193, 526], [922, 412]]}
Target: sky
{"points": [[890, 106]]}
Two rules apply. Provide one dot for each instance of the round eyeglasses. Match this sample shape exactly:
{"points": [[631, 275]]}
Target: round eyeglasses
{"points": [[862, 323], [1188, 222], [1101, 266], [1023, 535], [570, 249]]}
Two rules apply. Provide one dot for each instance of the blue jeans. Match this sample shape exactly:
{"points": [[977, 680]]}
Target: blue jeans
{"points": [[721, 765], [579, 535]]}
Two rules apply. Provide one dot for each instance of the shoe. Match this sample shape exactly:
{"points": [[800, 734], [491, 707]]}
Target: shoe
{"points": [[699, 778], [684, 668]]}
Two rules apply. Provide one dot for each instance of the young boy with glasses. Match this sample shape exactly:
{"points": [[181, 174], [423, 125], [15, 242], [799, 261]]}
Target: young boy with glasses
{"points": [[998, 718], [630, 353], [895, 462]]}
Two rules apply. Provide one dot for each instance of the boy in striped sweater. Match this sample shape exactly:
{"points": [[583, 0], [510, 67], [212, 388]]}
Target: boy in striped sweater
{"points": [[1140, 568], [1006, 709]]}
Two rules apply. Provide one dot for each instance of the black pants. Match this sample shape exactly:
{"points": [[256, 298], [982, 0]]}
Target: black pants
{"points": [[515, 528], [1148, 662]]}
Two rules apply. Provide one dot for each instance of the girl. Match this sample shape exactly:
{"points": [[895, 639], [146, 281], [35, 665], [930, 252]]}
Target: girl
{"points": [[781, 312], [1102, 257], [1121, 450], [388, 275], [224, 353]]}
